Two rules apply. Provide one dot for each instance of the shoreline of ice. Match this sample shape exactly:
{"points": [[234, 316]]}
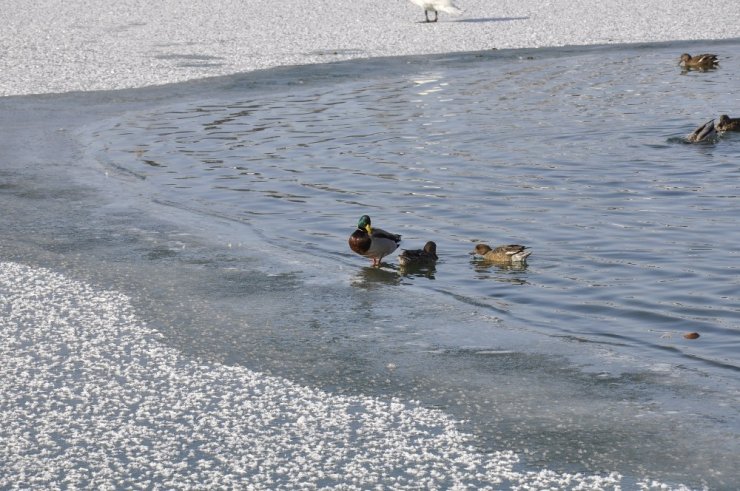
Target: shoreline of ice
{"points": [[52, 47]]}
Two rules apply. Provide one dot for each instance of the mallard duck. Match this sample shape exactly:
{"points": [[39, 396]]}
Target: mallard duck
{"points": [[511, 253], [698, 61], [436, 6], [727, 123], [372, 242], [703, 132], [419, 257]]}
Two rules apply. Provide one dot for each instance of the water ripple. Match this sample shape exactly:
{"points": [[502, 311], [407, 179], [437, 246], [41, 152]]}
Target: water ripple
{"points": [[576, 156]]}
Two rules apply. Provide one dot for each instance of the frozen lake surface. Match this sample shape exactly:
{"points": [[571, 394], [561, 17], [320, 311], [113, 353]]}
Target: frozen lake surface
{"points": [[202, 228]]}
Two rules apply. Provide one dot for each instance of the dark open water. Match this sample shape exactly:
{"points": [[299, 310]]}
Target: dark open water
{"points": [[225, 209]]}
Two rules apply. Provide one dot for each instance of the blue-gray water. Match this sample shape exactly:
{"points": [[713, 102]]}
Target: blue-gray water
{"points": [[244, 197], [580, 158]]}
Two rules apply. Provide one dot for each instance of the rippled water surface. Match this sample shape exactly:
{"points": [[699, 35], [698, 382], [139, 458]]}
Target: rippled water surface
{"points": [[577, 358], [580, 158]]}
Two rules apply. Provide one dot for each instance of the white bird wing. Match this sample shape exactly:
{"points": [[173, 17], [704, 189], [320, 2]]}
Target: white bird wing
{"points": [[440, 5], [448, 7]]}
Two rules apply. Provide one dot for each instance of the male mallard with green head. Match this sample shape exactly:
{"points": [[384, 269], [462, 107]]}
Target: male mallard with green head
{"points": [[707, 131], [511, 253], [698, 61], [727, 123], [372, 242], [419, 257]]}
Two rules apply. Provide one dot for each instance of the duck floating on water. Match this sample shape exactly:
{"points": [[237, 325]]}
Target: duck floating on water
{"points": [[419, 257], [436, 6], [372, 242], [512, 253], [726, 123], [699, 61]]}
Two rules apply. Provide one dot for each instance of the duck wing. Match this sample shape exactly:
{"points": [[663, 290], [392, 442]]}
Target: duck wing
{"points": [[379, 233], [706, 58], [509, 249]]}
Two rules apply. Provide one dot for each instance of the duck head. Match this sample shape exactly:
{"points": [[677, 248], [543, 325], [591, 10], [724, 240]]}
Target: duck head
{"points": [[364, 224], [482, 249]]}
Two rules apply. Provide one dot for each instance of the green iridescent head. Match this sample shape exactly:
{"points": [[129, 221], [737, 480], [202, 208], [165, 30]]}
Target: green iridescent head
{"points": [[364, 224]]}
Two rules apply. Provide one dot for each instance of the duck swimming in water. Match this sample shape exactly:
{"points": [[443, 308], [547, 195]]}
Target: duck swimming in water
{"points": [[372, 242], [698, 61], [419, 257], [511, 253], [727, 123]]}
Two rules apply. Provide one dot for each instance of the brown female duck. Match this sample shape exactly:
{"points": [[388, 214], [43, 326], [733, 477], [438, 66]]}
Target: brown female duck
{"points": [[419, 257], [372, 242], [727, 123], [699, 61], [511, 253]]}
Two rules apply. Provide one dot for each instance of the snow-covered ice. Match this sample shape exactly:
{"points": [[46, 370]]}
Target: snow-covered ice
{"points": [[54, 46], [91, 398]]}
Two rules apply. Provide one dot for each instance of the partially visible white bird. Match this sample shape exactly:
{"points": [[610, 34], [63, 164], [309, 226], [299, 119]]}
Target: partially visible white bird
{"points": [[436, 6]]}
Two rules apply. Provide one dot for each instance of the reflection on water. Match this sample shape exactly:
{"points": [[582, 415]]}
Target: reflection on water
{"points": [[372, 277], [418, 270], [509, 273], [580, 157]]}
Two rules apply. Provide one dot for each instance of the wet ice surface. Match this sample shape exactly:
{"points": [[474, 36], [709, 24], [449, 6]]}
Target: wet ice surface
{"points": [[91, 398]]}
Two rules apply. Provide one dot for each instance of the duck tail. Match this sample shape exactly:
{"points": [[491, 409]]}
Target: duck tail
{"points": [[521, 256], [703, 132]]}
